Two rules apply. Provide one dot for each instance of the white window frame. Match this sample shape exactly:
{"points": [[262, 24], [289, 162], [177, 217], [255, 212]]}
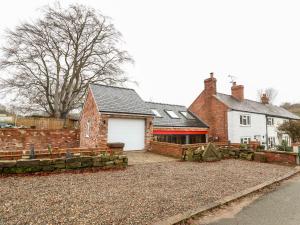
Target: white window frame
{"points": [[156, 113], [246, 118], [186, 114], [172, 114], [272, 140], [270, 121], [245, 140], [88, 129]]}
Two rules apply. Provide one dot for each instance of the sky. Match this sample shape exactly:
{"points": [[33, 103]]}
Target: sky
{"points": [[176, 43]]}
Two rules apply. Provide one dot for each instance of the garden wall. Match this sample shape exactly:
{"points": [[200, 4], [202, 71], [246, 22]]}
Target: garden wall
{"points": [[20, 139], [289, 158], [171, 149]]}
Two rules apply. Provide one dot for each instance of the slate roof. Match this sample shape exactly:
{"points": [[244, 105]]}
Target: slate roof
{"points": [[119, 100], [166, 121], [255, 107]]}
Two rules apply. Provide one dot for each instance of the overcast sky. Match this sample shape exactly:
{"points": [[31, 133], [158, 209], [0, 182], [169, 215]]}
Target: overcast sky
{"points": [[176, 44]]}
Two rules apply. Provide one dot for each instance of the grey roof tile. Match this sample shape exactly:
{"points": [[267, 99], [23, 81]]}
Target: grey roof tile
{"points": [[166, 121], [255, 107], [119, 100]]}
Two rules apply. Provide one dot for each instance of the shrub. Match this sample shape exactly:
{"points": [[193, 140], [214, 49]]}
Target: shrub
{"points": [[284, 147]]}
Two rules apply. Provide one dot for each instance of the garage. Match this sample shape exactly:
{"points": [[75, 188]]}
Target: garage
{"points": [[131, 132]]}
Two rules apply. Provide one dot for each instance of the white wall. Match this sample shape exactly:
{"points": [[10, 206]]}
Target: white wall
{"points": [[237, 131], [257, 127], [273, 131]]}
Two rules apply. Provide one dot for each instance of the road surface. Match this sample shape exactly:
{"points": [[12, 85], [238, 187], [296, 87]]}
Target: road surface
{"points": [[279, 207]]}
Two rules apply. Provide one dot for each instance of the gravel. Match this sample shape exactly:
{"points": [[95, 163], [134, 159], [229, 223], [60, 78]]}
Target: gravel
{"points": [[141, 194]]}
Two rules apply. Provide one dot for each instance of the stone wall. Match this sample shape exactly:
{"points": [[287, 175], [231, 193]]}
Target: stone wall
{"points": [[103, 161], [20, 139]]}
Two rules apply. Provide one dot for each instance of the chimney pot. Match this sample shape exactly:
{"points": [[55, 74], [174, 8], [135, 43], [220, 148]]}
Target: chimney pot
{"points": [[237, 91], [210, 85], [264, 99]]}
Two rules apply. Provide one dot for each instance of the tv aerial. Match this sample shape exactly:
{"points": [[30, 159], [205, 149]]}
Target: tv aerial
{"points": [[232, 79]]}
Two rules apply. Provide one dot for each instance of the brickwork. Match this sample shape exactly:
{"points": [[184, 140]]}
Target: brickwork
{"points": [[98, 124], [212, 111], [171, 149], [91, 125], [237, 91], [289, 158], [19, 139]]}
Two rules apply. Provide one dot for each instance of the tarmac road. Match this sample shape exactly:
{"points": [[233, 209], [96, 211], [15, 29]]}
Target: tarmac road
{"points": [[280, 207]]}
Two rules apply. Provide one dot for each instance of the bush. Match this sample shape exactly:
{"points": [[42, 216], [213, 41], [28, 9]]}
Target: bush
{"points": [[284, 147]]}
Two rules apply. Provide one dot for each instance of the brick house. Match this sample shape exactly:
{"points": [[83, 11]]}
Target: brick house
{"points": [[114, 114], [238, 120]]}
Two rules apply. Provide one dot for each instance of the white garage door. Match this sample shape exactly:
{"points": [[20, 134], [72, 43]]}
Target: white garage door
{"points": [[129, 131]]}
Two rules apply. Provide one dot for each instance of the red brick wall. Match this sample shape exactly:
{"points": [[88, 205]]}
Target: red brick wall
{"points": [[212, 112], [171, 149], [97, 132], [99, 125], [168, 149], [280, 157], [19, 139]]}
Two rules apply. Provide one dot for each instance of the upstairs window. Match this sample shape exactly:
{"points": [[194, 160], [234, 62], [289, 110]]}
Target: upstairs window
{"points": [[245, 120], [172, 114], [156, 113], [187, 115], [270, 121]]}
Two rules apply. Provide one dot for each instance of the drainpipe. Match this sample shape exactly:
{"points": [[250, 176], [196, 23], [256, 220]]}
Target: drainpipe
{"points": [[267, 140]]}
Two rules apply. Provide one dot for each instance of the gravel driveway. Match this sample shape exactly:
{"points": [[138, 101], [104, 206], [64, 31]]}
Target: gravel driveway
{"points": [[138, 195]]}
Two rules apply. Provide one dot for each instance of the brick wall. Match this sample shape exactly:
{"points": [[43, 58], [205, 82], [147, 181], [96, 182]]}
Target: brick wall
{"points": [[96, 136], [289, 158], [16, 139], [99, 125], [171, 149], [211, 111]]}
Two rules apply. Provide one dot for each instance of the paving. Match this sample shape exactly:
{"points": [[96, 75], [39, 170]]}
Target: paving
{"points": [[275, 208], [141, 194], [141, 157]]}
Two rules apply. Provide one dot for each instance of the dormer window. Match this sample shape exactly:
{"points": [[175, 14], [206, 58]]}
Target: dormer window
{"points": [[172, 114], [186, 114], [156, 113]]}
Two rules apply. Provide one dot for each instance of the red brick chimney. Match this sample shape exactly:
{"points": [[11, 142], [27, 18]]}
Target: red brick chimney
{"points": [[237, 91], [210, 85], [264, 99]]}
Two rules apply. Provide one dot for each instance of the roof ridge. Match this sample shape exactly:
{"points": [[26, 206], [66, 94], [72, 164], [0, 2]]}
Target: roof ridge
{"points": [[160, 103], [104, 85], [248, 100]]}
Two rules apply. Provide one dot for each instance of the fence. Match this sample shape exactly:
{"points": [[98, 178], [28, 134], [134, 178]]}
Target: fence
{"points": [[45, 123]]}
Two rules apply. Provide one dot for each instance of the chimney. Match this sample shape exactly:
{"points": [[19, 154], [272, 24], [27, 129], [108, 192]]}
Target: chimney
{"points": [[264, 99], [210, 85], [237, 91]]}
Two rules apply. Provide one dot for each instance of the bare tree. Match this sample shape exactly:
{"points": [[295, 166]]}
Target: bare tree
{"points": [[50, 62], [271, 93]]}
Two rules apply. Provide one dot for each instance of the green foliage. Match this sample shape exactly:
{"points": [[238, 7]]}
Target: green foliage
{"points": [[261, 147], [292, 128], [284, 147], [243, 146]]}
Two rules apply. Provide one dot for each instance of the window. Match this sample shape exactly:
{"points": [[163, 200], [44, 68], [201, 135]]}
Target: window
{"points": [[270, 121], [156, 113], [271, 142], [172, 114], [245, 140], [88, 127], [245, 120], [186, 115]]}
